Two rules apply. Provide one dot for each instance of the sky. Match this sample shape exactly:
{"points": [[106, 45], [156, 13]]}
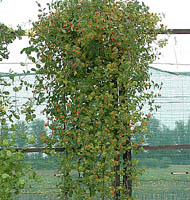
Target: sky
{"points": [[177, 15]]}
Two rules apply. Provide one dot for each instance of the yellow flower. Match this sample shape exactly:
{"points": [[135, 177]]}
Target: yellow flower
{"points": [[30, 32]]}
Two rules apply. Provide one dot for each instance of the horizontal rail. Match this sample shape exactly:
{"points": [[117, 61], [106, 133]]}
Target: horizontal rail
{"points": [[176, 31], [38, 149], [145, 147], [168, 31], [167, 147], [179, 173]]}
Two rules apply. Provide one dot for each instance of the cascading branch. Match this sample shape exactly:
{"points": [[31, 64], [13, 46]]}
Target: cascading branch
{"points": [[13, 169], [7, 36], [93, 75]]}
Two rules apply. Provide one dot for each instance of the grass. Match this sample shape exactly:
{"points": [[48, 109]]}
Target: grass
{"points": [[45, 188], [155, 183], [159, 183]]}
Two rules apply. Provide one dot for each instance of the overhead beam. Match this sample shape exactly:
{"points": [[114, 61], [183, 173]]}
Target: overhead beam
{"points": [[35, 150], [176, 31], [145, 147], [167, 147]]}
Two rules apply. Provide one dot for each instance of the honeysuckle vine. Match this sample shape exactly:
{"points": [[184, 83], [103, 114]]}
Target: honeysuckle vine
{"points": [[92, 64], [13, 170], [7, 36]]}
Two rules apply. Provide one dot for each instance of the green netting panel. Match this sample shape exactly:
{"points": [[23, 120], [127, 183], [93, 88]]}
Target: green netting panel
{"points": [[44, 188], [170, 125], [156, 183], [175, 97], [26, 93], [166, 176]]}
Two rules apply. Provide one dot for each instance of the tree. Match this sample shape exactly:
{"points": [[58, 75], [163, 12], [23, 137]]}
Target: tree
{"points": [[21, 133], [37, 129], [154, 130], [95, 81]]}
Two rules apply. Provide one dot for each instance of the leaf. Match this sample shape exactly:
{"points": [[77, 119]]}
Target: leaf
{"points": [[21, 182], [15, 89], [16, 116], [9, 153], [5, 142], [63, 30], [33, 69], [22, 64], [4, 176], [6, 92], [31, 140]]}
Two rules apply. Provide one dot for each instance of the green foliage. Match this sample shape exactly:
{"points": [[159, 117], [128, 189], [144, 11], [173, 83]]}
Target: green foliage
{"points": [[41, 161], [94, 79], [12, 172], [161, 134], [162, 162], [13, 169], [38, 130], [21, 133], [7, 36]]}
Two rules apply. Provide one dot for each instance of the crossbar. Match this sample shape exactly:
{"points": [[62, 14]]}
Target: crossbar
{"points": [[145, 147], [176, 31]]}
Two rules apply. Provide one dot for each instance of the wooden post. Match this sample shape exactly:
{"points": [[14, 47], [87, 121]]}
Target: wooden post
{"points": [[127, 182], [117, 179]]}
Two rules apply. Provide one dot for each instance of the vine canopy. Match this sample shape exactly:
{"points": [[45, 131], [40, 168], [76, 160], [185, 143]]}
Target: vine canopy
{"points": [[92, 60]]}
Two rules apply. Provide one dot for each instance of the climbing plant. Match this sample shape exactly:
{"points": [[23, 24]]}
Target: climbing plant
{"points": [[92, 64], [7, 36], [13, 169]]}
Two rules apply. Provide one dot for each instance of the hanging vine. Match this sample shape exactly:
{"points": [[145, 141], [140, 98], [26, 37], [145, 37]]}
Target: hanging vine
{"points": [[94, 78], [13, 170]]}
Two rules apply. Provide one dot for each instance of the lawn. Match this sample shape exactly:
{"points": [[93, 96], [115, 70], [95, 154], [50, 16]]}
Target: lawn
{"points": [[159, 183], [44, 189], [154, 184]]}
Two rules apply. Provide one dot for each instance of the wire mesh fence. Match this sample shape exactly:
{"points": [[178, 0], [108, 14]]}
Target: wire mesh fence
{"points": [[169, 126], [166, 175], [45, 186]]}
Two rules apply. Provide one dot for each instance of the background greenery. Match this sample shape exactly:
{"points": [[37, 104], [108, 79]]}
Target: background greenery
{"points": [[157, 182]]}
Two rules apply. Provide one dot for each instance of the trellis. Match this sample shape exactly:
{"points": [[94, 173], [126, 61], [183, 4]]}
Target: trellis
{"points": [[145, 147]]}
